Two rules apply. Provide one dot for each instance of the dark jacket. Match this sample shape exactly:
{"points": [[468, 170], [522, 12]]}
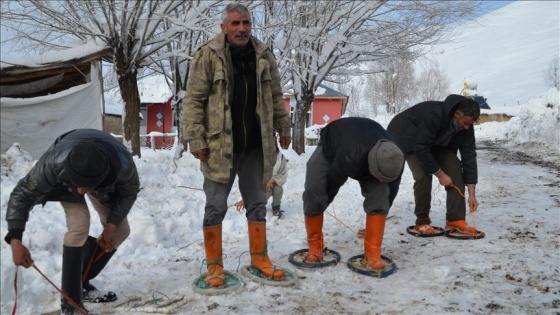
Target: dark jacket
{"points": [[47, 180], [346, 143], [416, 129]]}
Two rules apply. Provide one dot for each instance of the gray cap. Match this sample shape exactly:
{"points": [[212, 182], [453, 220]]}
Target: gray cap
{"points": [[386, 161]]}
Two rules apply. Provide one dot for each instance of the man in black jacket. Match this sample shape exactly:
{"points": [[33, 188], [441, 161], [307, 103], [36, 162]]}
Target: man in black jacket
{"points": [[80, 162], [430, 134], [361, 149]]}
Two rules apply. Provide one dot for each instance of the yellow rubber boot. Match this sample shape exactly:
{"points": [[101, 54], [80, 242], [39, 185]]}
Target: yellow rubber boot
{"points": [[314, 228], [375, 228], [214, 261], [258, 250]]}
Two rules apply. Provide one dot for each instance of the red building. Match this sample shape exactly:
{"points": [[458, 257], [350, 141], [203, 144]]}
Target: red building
{"points": [[329, 105], [159, 121]]}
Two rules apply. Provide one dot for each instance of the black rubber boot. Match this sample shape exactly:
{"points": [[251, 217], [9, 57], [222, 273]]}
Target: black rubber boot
{"points": [[71, 280], [92, 253]]}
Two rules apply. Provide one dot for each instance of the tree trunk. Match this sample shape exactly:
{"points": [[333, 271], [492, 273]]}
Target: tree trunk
{"points": [[300, 114], [129, 92]]}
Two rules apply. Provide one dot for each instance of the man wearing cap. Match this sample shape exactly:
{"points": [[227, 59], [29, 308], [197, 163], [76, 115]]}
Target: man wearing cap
{"points": [[361, 149], [80, 162]]}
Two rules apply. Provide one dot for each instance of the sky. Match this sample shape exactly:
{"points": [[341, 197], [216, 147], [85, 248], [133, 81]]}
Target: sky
{"points": [[514, 269]]}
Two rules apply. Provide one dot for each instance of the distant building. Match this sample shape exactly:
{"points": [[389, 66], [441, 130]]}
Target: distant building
{"points": [[328, 105]]}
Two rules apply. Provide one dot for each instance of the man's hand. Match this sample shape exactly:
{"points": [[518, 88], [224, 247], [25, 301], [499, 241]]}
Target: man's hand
{"points": [[201, 154], [20, 254], [473, 203], [285, 142], [270, 184], [107, 238], [444, 179]]}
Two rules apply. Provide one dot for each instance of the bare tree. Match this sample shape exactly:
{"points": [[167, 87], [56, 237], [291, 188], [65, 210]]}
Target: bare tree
{"points": [[132, 29], [432, 84], [317, 41], [395, 86], [552, 74]]}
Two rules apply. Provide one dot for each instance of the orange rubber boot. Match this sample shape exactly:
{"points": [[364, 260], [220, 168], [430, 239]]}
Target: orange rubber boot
{"points": [[375, 228], [214, 262], [258, 250], [314, 228], [460, 226]]}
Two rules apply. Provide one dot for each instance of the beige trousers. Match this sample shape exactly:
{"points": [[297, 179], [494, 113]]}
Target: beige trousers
{"points": [[78, 222]]}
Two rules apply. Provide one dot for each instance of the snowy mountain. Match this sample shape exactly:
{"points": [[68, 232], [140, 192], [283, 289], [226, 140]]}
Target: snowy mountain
{"points": [[506, 52]]}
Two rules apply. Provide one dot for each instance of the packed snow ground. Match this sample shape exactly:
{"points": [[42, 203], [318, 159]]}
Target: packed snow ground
{"points": [[514, 269]]}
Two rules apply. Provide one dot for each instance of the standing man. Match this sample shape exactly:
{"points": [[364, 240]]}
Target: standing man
{"points": [[232, 106], [361, 149], [430, 134], [80, 162]]}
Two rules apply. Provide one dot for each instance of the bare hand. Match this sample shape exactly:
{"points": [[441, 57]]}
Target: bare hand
{"points": [[285, 142], [473, 203], [361, 234], [201, 154], [107, 238], [444, 179], [270, 184], [239, 205], [20, 254]]}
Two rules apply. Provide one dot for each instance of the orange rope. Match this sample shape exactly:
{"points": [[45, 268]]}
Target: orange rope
{"points": [[345, 225]]}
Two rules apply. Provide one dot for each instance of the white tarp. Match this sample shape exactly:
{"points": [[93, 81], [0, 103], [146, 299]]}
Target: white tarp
{"points": [[36, 122]]}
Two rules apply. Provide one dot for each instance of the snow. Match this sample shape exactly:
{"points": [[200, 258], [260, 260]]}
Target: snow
{"points": [[514, 269], [506, 52]]}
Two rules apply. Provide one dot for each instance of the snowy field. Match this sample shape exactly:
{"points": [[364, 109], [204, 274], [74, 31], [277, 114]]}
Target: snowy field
{"points": [[514, 269]]}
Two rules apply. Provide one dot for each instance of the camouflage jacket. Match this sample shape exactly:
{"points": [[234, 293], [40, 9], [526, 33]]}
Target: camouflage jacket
{"points": [[206, 116]]}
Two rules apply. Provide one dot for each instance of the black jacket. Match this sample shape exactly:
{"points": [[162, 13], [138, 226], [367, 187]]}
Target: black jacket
{"points": [[416, 129], [346, 143], [47, 181]]}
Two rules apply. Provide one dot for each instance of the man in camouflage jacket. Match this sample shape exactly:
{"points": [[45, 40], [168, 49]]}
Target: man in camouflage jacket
{"points": [[232, 107]]}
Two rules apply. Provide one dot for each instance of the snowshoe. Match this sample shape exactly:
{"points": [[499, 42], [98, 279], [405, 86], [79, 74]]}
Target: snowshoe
{"points": [[358, 264], [330, 258], [92, 295]]}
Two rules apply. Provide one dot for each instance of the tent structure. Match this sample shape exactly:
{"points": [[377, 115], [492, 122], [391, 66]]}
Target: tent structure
{"points": [[44, 96]]}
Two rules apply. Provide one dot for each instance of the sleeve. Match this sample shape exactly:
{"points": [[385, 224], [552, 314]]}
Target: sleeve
{"points": [[281, 118], [29, 191], [126, 193], [199, 85], [281, 170], [468, 158]]}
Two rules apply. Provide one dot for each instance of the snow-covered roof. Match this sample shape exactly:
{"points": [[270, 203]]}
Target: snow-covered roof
{"points": [[322, 91]]}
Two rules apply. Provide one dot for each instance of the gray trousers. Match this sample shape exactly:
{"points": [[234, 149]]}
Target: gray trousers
{"points": [[276, 192], [249, 168], [78, 222], [315, 198], [455, 203]]}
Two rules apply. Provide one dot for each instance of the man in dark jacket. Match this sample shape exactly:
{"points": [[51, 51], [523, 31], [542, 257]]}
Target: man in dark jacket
{"points": [[361, 149], [430, 134], [82, 161]]}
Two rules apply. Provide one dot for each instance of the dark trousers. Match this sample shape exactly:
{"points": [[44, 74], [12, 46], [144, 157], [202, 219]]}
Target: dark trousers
{"points": [[455, 203], [249, 169], [315, 198]]}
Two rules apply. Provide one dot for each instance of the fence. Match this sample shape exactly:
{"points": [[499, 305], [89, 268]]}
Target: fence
{"points": [[155, 140]]}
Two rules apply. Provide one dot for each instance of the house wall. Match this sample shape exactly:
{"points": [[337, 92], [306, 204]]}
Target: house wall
{"points": [[160, 119], [326, 108]]}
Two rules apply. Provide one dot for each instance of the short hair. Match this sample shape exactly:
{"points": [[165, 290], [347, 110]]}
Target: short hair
{"points": [[469, 107], [234, 7]]}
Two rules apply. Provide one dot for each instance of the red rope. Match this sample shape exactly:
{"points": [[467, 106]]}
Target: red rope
{"points": [[91, 261], [68, 298], [15, 289]]}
